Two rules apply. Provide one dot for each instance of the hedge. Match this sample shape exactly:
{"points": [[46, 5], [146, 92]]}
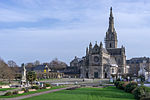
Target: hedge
{"points": [[139, 92], [131, 86]]}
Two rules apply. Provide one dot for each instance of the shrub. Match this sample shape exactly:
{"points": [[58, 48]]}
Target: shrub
{"points": [[47, 85], [73, 88], [116, 83], [15, 92], [145, 98], [142, 92], [139, 92], [35, 87], [44, 87], [125, 84], [118, 79], [133, 91], [131, 86], [8, 94], [120, 85], [25, 90], [41, 88]]}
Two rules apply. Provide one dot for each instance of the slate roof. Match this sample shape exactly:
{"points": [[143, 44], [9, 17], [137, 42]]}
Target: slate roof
{"points": [[104, 50], [114, 51], [39, 67], [113, 62]]}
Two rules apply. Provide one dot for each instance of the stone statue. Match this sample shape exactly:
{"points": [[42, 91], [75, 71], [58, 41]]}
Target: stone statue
{"points": [[142, 71], [23, 80]]}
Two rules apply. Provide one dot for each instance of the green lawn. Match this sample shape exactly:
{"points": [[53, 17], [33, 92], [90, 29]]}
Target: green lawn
{"points": [[48, 79], [5, 89], [2, 83], [42, 90], [108, 93]]}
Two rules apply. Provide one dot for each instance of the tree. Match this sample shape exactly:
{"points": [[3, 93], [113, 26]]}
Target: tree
{"points": [[11, 63], [3, 66], [36, 63], [5, 71], [29, 65], [14, 69], [10, 74], [31, 76], [57, 65]]}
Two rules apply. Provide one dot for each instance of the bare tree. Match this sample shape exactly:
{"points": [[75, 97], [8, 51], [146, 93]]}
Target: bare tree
{"points": [[5, 71], [37, 62], [11, 63], [57, 65], [29, 65]]}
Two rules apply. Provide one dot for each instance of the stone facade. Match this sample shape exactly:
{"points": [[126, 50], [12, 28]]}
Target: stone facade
{"points": [[135, 64], [101, 62]]}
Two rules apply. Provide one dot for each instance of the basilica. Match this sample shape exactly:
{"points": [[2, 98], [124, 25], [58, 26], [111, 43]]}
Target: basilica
{"points": [[103, 61]]}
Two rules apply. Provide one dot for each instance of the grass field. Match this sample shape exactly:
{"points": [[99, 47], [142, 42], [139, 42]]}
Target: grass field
{"points": [[5, 89], [108, 93], [42, 90]]}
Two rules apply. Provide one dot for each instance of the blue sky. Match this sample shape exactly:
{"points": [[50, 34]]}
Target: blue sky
{"points": [[46, 29]]}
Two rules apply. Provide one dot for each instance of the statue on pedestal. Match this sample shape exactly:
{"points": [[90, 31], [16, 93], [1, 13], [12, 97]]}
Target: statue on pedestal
{"points": [[142, 71], [23, 79]]}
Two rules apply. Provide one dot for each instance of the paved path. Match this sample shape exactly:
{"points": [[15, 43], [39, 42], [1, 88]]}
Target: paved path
{"points": [[36, 94]]}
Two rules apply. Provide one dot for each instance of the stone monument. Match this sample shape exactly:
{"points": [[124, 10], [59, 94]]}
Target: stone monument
{"points": [[142, 71], [23, 79]]}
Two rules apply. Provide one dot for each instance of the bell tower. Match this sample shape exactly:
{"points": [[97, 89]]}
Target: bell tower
{"points": [[111, 35]]}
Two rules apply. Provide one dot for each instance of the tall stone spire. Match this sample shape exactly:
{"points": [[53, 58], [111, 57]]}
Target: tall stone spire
{"points": [[87, 51], [111, 21], [90, 45], [101, 45], [111, 35], [90, 48]]}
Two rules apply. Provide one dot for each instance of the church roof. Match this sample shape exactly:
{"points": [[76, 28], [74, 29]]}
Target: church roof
{"points": [[77, 59], [113, 62], [105, 50], [114, 51]]}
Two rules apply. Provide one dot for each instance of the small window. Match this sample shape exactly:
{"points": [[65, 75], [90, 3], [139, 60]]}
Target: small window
{"points": [[119, 62]]}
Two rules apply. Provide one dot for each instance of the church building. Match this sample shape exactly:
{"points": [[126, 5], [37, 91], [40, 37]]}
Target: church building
{"points": [[102, 62]]}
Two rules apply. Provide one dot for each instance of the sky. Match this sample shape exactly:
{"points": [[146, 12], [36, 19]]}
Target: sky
{"points": [[47, 29]]}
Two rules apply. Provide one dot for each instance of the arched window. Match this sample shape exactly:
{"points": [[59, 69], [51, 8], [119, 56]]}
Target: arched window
{"points": [[113, 71], [110, 45], [119, 70]]}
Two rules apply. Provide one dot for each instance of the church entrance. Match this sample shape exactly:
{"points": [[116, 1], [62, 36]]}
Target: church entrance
{"points": [[95, 74], [105, 75]]}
